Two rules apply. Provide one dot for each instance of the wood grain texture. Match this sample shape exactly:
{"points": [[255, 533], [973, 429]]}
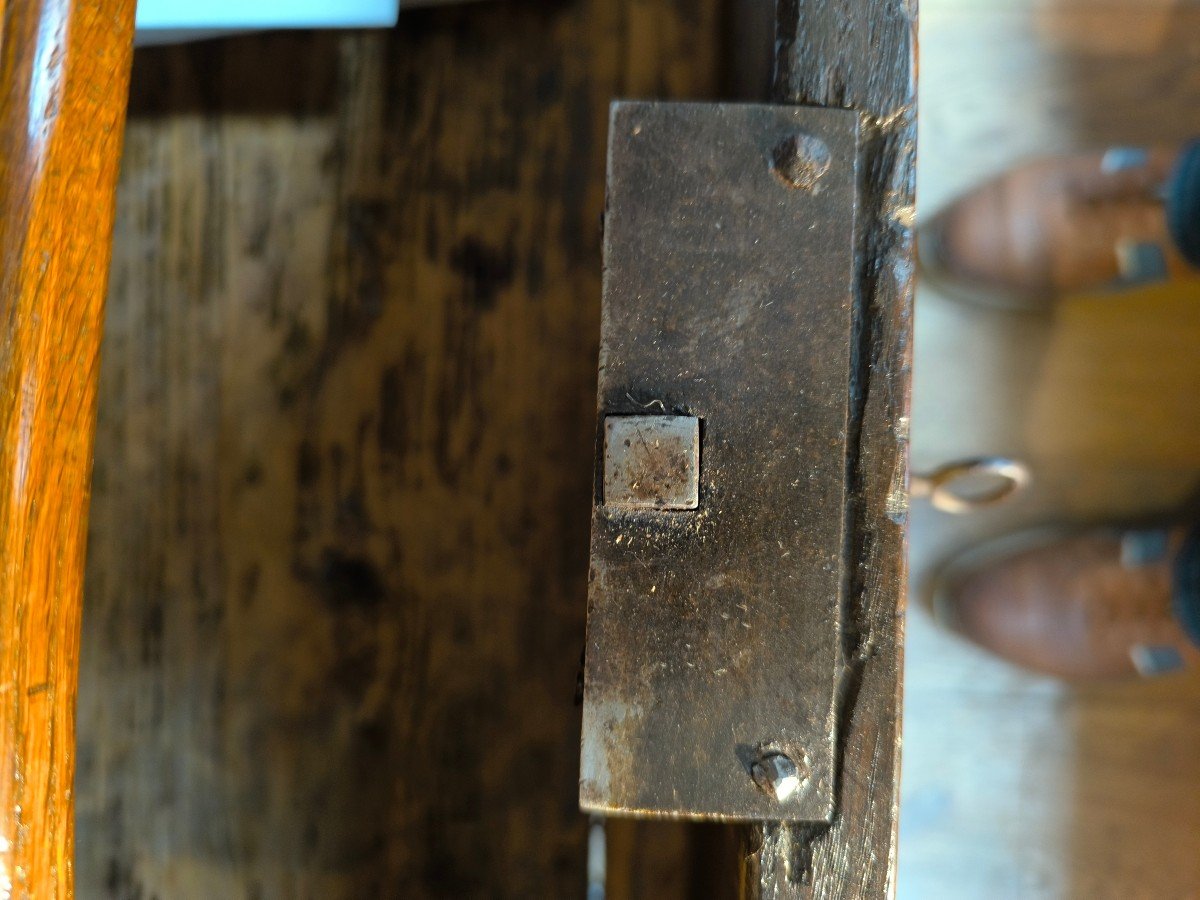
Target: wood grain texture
{"points": [[64, 69], [861, 54], [338, 566]]}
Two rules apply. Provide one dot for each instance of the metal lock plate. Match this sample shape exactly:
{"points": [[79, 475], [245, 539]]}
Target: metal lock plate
{"points": [[714, 618]]}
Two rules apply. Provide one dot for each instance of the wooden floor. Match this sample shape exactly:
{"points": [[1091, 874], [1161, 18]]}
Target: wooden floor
{"points": [[1014, 786]]}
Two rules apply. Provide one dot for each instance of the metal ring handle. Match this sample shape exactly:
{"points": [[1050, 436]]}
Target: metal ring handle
{"points": [[1013, 476]]}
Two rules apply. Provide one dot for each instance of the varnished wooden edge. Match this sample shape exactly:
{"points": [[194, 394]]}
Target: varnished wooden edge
{"points": [[64, 75]]}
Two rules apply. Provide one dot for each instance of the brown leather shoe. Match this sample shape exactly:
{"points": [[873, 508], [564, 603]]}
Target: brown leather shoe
{"points": [[1116, 219], [1084, 605]]}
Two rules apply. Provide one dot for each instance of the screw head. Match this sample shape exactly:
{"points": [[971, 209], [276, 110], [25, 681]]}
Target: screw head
{"points": [[800, 161], [778, 775]]}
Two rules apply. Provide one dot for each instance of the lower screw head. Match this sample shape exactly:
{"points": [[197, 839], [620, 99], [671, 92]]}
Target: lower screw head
{"points": [[778, 775]]}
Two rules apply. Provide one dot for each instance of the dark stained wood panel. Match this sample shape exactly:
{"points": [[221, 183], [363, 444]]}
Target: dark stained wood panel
{"points": [[338, 555]]}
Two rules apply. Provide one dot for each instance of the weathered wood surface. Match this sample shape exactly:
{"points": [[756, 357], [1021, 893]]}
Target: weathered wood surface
{"points": [[861, 54], [64, 70], [339, 542]]}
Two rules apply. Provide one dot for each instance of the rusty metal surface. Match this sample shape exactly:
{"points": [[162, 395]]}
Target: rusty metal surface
{"points": [[714, 634], [713, 646]]}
